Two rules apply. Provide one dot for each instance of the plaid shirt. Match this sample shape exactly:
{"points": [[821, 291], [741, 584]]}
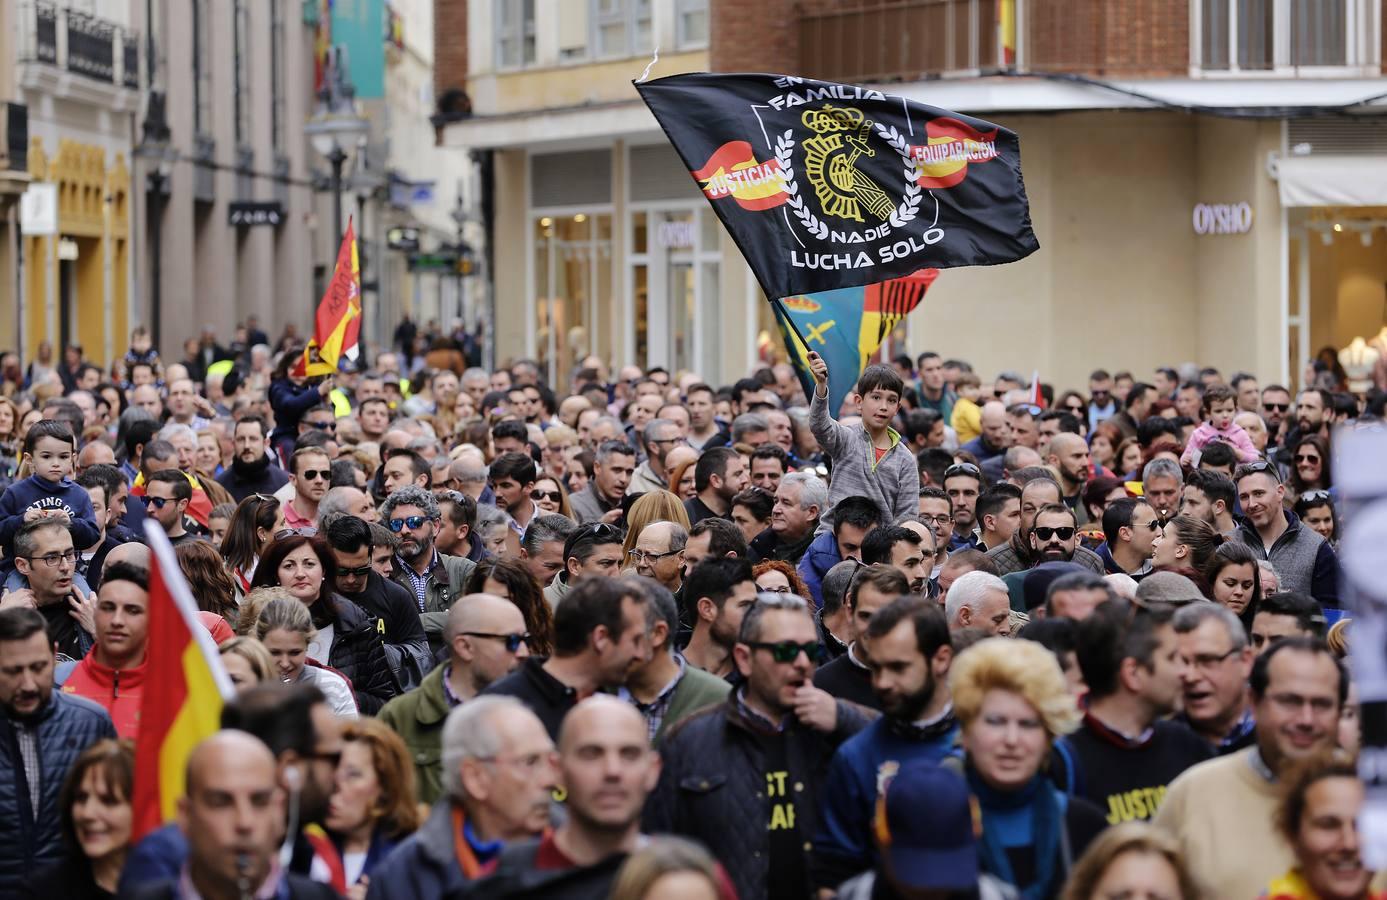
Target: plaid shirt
{"points": [[655, 710], [33, 772], [420, 582]]}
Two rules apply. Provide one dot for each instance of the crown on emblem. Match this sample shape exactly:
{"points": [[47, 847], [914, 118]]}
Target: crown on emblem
{"points": [[832, 118], [802, 304]]}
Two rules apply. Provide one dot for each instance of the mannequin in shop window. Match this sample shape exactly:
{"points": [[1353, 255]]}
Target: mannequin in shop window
{"points": [[1379, 343], [1360, 361]]}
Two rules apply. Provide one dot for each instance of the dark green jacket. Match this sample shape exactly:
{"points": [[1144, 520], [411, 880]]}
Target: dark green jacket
{"points": [[696, 691], [418, 717], [439, 593]]}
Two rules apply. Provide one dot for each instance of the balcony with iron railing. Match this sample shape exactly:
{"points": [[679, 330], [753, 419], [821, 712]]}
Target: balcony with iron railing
{"points": [[57, 39], [885, 41]]}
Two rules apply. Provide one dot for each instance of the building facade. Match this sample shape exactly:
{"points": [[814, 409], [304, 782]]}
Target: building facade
{"points": [[1205, 176]]}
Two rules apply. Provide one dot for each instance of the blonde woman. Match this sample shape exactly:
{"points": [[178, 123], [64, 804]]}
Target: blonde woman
{"points": [[1131, 860], [286, 629]]}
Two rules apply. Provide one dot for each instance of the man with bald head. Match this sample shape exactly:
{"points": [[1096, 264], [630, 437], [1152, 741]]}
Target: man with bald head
{"points": [[608, 769], [1069, 457], [659, 553], [95, 453], [996, 433], [486, 639]]}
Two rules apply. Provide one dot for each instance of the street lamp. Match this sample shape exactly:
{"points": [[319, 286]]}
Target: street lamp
{"points": [[155, 149], [334, 131]]}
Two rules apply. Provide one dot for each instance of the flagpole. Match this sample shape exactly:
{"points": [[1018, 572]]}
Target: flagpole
{"points": [[784, 314]]}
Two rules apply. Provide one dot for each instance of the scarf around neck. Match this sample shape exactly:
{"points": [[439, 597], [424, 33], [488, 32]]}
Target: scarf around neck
{"points": [[1046, 822]]}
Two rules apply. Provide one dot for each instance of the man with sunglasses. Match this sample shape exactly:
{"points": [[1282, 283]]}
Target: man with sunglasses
{"points": [[166, 498], [486, 640], [746, 777], [1101, 405], [1126, 751], [1276, 404], [311, 475], [1021, 552], [435, 579], [1130, 528]]}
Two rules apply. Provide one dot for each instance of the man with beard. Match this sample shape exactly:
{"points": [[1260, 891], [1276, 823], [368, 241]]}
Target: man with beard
{"points": [[1054, 535], [1069, 456], [45, 732], [434, 579], [1210, 496], [849, 677], [909, 552], [910, 666], [486, 641], [252, 470], [608, 769], [1020, 553], [717, 593], [719, 475], [1125, 752]]}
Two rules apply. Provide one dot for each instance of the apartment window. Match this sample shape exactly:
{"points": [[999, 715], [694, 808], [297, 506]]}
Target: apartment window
{"points": [[691, 24], [241, 70], [202, 69], [1278, 35], [277, 74], [515, 33], [621, 27]]}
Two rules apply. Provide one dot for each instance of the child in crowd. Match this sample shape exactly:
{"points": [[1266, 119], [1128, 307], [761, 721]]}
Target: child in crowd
{"points": [[1218, 408], [869, 460], [49, 449], [967, 420]]}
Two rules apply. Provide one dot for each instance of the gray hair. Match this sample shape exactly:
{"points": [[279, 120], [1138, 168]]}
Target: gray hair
{"points": [[662, 608], [813, 491], [655, 425], [410, 495], [1189, 617], [769, 602], [612, 447], [420, 444], [470, 733], [488, 517], [466, 472], [173, 429], [747, 423], [474, 374], [546, 529], [1269, 576], [334, 503], [835, 584], [971, 590], [1157, 468]]}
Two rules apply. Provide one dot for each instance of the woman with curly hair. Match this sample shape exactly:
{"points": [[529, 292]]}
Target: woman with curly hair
{"points": [[511, 580], [779, 577]]}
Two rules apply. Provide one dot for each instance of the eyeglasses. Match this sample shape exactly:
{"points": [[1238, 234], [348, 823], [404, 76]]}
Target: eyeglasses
{"points": [[1276, 407], [158, 502], [783, 589], [789, 651], [410, 522], [552, 496], [323, 426], [357, 572], [941, 521], [640, 556], [53, 560], [963, 469], [1153, 525], [314, 474], [513, 641], [1064, 533], [1208, 661]]}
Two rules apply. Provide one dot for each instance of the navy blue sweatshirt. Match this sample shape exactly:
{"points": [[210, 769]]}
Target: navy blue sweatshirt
{"points": [[37, 493]]}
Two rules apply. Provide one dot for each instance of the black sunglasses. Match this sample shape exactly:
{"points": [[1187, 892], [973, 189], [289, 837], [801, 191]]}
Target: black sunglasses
{"points": [[789, 651], [158, 502], [314, 474], [1064, 532], [357, 572], [513, 641], [963, 469], [323, 426], [552, 496], [1276, 407]]}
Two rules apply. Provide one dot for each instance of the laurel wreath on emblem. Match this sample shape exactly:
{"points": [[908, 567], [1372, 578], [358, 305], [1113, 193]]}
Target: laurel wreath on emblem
{"points": [[900, 216]]}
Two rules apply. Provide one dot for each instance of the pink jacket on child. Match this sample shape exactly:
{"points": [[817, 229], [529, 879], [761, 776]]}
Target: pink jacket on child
{"points": [[1235, 436]]}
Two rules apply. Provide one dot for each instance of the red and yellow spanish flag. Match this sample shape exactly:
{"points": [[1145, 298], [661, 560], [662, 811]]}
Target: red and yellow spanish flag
{"points": [[188, 687], [337, 326]]}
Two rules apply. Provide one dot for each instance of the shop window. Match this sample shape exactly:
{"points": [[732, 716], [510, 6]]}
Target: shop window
{"points": [[515, 33], [676, 305], [691, 24], [1282, 35], [573, 271]]}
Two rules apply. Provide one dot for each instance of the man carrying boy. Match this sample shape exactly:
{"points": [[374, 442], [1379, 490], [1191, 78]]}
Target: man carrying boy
{"points": [[870, 460], [49, 449]]}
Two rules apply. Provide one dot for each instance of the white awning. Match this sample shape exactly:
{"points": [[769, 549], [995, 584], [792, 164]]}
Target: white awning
{"points": [[1333, 181]]}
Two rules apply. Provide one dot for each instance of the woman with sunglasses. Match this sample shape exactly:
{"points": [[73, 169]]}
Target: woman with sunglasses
{"points": [[1012, 701], [1316, 509], [348, 639], [1074, 403], [550, 496], [511, 580], [1310, 466], [256, 521]]}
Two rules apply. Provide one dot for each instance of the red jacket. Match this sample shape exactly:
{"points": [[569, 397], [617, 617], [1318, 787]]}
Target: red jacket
{"points": [[119, 692]]}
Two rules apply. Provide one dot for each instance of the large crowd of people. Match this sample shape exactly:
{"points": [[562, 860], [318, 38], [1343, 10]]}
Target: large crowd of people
{"points": [[642, 637]]}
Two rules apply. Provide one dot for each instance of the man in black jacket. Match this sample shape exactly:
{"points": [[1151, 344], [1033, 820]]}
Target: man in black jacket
{"points": [[849, 676], [397, 616], [252, 471], [744, 777]]}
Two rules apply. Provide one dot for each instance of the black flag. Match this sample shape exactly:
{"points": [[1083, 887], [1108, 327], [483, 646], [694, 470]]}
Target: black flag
{"points": [[827, 186]]}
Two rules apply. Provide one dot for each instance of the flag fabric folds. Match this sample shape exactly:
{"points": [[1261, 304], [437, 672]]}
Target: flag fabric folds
{"points": [[827, 186], [188, 687], [846, 327], [337, 325]]}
